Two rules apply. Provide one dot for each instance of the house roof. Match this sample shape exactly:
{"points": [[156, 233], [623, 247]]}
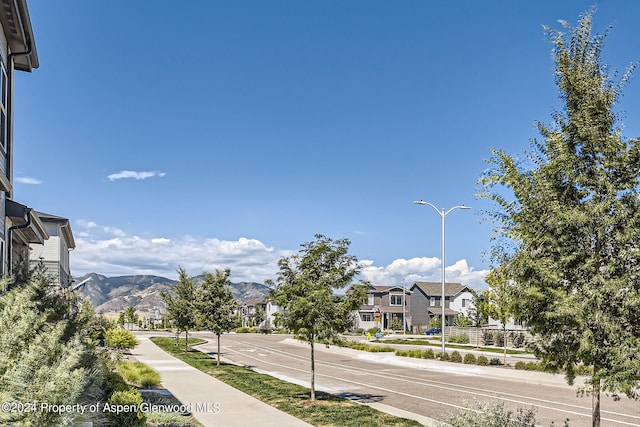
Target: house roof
{"points": [[26, 222], [435, 288], [14, 16], [65, 227], [384, 289]]}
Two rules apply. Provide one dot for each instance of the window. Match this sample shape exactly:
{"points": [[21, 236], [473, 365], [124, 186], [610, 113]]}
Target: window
{"points": [[367, 317], [369, 299], [465, 302], [3, 106], [396, 299], [432, 301]]}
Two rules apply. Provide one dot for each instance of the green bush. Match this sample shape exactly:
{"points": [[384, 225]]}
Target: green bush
{"points": [[429, 354], [495, 361], [242, 330], [444, 357], [488, 338], [373, 331], [469, 359], [419, 354], [120, 339], [493, 414], [482, 361], [139, 374], [131, 399], [456, 357], [459, 339], [520, 365]]}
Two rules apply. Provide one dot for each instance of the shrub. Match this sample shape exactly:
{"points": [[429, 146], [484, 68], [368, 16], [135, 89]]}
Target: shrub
{"points": [[130, 398], [120, 339], [243, 330], [459, 338], [495, 361], [444, 356], [429, 354], [482, 361], [410, 353], [533, 366], [493, 414], [499, 339], [373, 331], [139, 374], [487, 337], [469, 359], [455, 357], [520, 365], [518, 339], [584, 370]]}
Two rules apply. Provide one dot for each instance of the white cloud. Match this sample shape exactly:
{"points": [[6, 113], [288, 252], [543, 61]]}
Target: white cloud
{"points": [[28, 180], [112, 252], [138, 175], [426, 269]]}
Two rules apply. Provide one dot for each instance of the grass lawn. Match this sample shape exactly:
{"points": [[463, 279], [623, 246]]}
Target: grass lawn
{"points": [[327, 410]]}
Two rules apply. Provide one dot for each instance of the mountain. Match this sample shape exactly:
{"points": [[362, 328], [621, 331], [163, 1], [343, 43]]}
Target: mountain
{"points": [[115, 294]]}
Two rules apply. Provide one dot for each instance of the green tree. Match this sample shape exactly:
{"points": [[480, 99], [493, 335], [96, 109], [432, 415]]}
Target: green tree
{"points": [[216, 303], [181, 306], [130, 316], [500, 301], [568, 225], [478, 312], [45, 354], [305, 289], [258, 316]]}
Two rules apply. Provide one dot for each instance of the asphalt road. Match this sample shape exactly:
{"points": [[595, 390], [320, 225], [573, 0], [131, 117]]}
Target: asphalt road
{"points": [[425, 387]]}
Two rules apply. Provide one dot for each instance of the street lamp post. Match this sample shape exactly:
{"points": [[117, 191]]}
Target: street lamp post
{"points": [[443, 214]]}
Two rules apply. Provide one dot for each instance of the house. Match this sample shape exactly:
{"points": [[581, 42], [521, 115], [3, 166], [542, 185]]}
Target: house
{"points": [[23, 229], [385, 308], [426, 302], [250, 309], [54, 252], [17, 53]]}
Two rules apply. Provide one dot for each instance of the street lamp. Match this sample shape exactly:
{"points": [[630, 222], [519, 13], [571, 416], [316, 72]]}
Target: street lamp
{"points": [[443, 214]]}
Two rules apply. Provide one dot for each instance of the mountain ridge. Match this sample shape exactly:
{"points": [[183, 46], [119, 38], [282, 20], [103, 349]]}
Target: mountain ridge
{"points": [[112, 295]]}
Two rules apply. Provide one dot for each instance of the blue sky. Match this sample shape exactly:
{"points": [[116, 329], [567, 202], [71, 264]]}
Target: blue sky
{"points": [[217, 134]]}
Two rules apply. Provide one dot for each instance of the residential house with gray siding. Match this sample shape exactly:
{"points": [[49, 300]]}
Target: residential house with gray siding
{"points": [[426, 302], [54, 252], [19, 225], [385, 306]]}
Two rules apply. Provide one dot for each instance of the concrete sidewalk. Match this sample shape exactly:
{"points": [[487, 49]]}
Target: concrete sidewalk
{"points": [[213, 402]]}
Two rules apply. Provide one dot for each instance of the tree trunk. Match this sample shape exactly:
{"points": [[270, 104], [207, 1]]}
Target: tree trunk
{"points": [[595, 401], [313, 372], [186, 341], [177, 337], [504, 342], [218, 364]]}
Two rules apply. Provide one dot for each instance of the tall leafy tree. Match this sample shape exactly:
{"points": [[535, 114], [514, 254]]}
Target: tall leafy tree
{"points": [[569, 220], [216, 303], [305, 290], [181, 305], [131, 317], [479, 312], [500, 301], [46, 355]]}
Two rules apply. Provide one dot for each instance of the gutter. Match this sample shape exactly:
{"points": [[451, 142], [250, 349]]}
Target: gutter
{"points": [[10, 238]]}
